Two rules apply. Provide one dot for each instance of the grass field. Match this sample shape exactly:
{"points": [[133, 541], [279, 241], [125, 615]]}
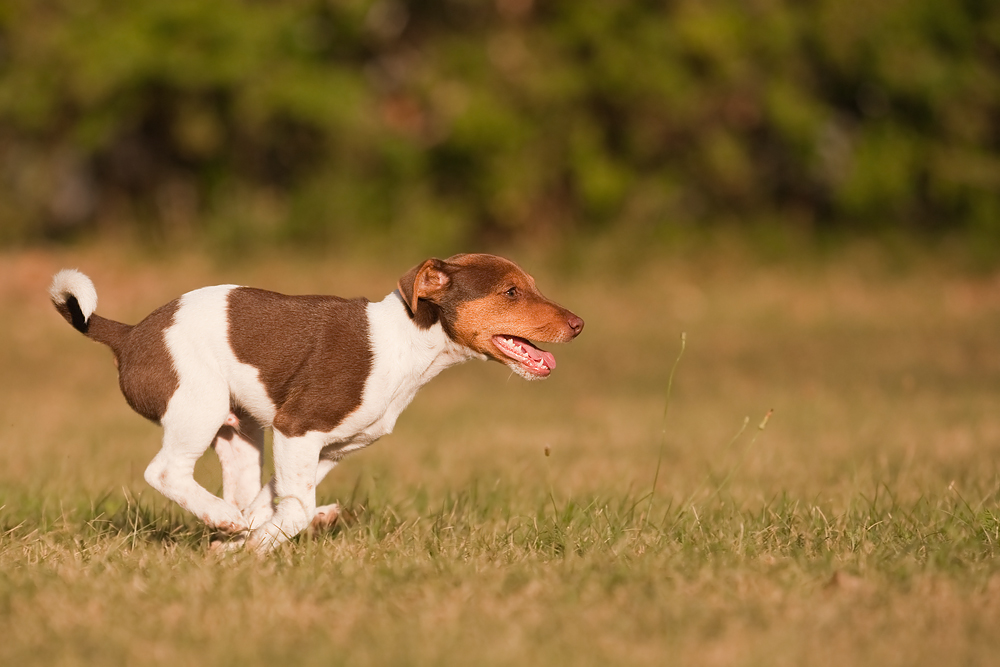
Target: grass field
{"points": [[860, 527]]}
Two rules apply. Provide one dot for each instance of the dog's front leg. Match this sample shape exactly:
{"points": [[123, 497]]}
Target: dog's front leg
{"points": [[293, 490], [327, 515], [262, 509]]}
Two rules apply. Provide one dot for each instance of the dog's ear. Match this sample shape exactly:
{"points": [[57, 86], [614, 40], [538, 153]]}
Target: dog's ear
{"points": [[424, 281]]}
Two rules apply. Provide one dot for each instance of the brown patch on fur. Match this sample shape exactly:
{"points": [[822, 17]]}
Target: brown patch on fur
{"points": [[531, 317], [146, 371], [313, 354]]}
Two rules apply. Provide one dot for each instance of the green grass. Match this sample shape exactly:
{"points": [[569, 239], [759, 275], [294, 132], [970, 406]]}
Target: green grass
{"points": [[489, 577], [581, 520]]}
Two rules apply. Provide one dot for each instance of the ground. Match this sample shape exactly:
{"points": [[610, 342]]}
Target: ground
{"points": [[561, 522]]}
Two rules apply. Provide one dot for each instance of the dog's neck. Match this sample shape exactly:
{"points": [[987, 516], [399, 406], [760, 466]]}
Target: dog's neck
{"points": [[407, 355]]}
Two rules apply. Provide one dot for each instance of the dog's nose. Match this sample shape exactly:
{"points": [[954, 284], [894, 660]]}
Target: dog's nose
{"points": [[576, 324]]}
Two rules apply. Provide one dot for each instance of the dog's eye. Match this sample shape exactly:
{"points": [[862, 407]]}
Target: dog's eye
{"points": [[511, 293]]}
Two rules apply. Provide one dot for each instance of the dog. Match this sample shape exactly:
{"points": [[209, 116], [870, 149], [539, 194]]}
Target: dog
{"points": [[219, 365]]}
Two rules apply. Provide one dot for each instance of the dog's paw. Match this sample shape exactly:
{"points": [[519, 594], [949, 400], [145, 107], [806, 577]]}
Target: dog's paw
{"points": [[231, 527], [224, 545], [326, 517]]}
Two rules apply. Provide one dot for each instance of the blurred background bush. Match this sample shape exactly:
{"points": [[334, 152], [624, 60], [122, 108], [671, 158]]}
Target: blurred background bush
{"points": [[322, 121]]}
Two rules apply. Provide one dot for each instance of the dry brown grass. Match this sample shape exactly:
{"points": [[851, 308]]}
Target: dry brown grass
{"points": [[860, 528]]}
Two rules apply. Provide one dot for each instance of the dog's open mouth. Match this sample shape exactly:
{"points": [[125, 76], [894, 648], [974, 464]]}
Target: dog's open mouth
{"points": [[531, 360]]}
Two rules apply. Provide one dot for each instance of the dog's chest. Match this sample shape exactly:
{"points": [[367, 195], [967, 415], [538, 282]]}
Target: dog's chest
{"points": [[404, 359], [373, 419]]}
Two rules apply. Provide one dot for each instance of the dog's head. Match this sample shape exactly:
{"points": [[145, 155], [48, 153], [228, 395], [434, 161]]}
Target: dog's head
{"points": [[491, 306]]}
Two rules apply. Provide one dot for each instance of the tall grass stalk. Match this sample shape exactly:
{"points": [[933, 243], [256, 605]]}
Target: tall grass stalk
{"points": [[663, 431]]}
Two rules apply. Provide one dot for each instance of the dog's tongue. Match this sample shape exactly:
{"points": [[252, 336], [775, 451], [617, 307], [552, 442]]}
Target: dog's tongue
{"points": [[541, 355]]}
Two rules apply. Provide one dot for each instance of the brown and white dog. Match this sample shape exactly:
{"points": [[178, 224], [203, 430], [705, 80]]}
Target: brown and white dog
{"points": [[330, 375]]}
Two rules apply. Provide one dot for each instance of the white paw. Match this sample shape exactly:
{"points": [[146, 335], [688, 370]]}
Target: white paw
{"points": [[326, 517]]}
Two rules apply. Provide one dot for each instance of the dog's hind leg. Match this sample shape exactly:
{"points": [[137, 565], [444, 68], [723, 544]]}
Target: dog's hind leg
{"points": [[190, 425], [239, 445]]}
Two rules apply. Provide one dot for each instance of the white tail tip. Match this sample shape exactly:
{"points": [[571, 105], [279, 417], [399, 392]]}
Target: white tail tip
{"points": [[70, 282]]}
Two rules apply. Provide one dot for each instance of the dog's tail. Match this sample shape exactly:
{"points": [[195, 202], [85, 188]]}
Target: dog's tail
{"points": [[74, 296]]}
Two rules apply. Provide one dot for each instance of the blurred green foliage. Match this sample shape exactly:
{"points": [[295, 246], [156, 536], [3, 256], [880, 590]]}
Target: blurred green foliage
{"points": [[326, 120]]}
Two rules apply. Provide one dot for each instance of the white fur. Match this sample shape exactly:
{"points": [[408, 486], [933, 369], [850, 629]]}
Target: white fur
{"points": [[210, 378], [241, 454], [405, 358], [208, 374], [70, 282]]}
